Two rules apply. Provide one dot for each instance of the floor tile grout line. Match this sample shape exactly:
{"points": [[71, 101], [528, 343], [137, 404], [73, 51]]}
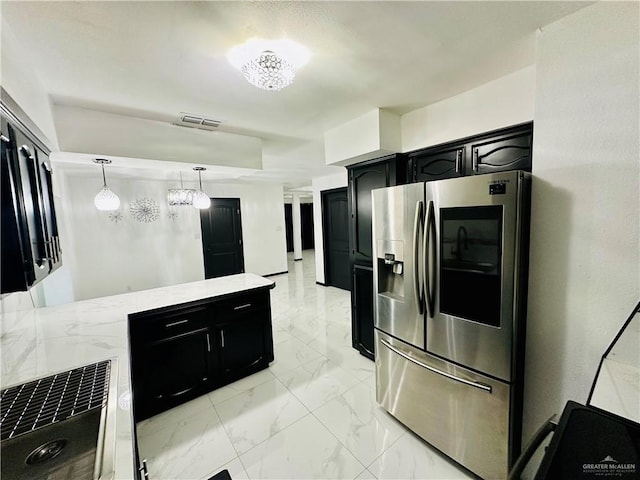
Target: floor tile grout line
{"points": [[339, 441], [404, 432]]}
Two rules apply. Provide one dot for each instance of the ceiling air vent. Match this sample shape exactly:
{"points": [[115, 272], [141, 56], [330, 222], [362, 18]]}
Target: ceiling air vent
{"points": [[196, 121]]}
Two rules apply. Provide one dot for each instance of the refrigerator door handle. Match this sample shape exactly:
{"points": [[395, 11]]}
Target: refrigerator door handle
{"points": [[430, 267], [471, 383], [418, 227]]}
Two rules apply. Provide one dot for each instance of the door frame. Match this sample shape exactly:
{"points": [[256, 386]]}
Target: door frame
{"points": [[325, 239]]}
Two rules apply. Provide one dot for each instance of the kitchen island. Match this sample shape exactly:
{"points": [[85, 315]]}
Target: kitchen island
{"points": [[39, 342]]}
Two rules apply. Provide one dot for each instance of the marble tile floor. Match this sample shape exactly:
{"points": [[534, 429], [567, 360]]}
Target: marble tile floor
{"points": [[311, 415]]}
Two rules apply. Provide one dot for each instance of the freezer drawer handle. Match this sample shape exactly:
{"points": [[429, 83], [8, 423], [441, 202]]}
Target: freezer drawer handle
{"points": [[481, 386]]}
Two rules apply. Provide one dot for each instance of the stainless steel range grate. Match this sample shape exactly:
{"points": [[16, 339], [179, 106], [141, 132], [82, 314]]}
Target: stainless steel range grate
{"points": [[36, 404]]}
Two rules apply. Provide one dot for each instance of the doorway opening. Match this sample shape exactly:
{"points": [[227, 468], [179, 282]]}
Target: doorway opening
{"points": [[306, 225]]}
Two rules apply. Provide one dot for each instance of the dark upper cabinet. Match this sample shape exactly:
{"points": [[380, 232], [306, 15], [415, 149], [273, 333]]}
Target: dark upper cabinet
{"points": [[363, 178], [437, 164], [496, 151], [507, 151], [30, 242]]}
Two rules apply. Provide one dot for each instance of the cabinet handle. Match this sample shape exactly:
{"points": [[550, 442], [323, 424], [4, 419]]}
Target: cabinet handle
{"points": [[208, 343], [143, 469], [41, 262], [26, 152], [173, 324], [240, 307], [475, 160], [222, 338], [5, 139]]}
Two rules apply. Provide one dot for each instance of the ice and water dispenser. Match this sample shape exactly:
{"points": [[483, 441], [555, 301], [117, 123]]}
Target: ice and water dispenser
{"points": [[397, 223], [390, 268]]}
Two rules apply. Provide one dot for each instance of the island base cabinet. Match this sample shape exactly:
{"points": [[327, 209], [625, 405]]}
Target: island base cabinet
{"points": [[182, 352]]}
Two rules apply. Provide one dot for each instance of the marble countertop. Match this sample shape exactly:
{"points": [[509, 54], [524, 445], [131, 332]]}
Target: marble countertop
{"points": [[39, 342]]}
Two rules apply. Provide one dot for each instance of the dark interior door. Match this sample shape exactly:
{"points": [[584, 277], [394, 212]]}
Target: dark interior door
{"points": [[335, 212], [288, 225], [222, 238], [306, 221]]}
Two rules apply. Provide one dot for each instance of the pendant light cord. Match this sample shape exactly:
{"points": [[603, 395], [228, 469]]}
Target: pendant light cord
{"points": [[104, 179]]}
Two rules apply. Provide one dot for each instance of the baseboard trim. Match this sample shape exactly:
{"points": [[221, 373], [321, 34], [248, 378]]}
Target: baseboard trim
{"points": [[273, 274]]}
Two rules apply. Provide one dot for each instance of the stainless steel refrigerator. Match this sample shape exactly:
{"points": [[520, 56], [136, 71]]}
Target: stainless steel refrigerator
{"points": [[450, 276]]}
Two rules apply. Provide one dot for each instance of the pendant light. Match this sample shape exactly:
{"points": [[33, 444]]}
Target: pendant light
{"points": [[105, 200], [180, 196], [200, 199]]}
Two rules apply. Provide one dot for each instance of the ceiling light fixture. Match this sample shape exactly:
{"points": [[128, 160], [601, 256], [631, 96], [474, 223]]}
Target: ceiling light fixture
{"points": [[269, 64], [180, 196], [200, 199], [105, 200]]}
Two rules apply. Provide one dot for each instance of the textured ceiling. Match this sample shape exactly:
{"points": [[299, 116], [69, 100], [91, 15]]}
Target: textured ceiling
{"points": [[152, 60]]}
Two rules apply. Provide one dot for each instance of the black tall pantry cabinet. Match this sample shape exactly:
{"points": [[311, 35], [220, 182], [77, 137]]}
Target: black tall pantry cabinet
{"points": [[364, 177]]}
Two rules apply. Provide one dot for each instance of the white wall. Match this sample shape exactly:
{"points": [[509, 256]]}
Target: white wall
{"points": [[320, 184], [585, 264], [107, 258], [503, 102], [21, 82], [23, 85]]}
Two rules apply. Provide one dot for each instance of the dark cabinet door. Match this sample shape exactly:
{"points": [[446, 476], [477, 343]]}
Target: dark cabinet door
{"points": [[438, 164], [17, 273], [361, 181], [171, 370], [30, 188], [362, 305], [244, 344], [243, 335], [511, 151], [47, 208]]}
